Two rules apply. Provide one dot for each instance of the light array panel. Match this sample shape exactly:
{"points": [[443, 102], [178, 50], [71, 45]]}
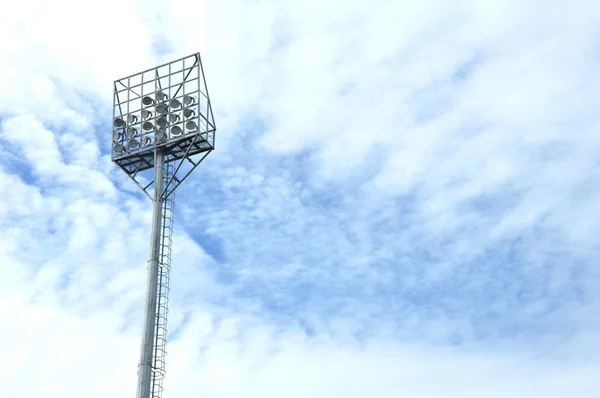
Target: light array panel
{"points": [[167, 106]]}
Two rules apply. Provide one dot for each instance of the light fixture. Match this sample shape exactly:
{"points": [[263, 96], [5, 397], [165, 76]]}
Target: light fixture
{"points": [[118, 148], [188, 113], [162, 122], [160, 135], [176, 130], [189, 100], [147, 101], [173, 118], [175, 104], [131, 132], [147, 126], [132, 119], [119, 122], [116, 136], [162, 109], [160, 96], [191, 125], [146, 114], [146, 140], [132, 143]]}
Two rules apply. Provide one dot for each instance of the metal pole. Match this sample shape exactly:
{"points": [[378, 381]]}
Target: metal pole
{"points": [[145, 364]]}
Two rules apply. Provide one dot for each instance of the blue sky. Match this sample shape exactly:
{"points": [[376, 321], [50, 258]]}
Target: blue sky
{"points": [[402, 201]]}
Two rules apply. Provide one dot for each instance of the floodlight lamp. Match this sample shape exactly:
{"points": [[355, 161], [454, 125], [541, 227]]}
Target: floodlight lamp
{"points": [[176, 130], [147, 101], [173, 118], [191, 125], [131, 132], [116, 136], [146, 114], [188, 113], [160, 135], [162, 122], [147, 126], [119, 122], [189, 100], [160, 96], [132, 143], [146, 140], [118, 148], [132, 119], [162, 109], [175, 104]]}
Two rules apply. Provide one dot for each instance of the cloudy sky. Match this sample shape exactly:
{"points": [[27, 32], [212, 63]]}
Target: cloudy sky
{"points": [[403, 201]]}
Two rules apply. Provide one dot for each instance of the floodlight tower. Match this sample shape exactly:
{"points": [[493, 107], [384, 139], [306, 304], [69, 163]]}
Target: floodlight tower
{"points": [[163, 127]]}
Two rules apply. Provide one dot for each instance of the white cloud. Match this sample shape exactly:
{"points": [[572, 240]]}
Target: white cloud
{"points": [[254, 362], [401, 202]]}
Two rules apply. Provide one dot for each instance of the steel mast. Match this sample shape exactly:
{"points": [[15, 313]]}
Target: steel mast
{"points": [[162, 120]]}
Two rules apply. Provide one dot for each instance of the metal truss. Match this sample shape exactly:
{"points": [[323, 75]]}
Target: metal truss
{"points": [[165, 108]]}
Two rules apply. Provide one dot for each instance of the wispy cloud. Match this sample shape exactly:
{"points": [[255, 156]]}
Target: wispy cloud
{"points": [[402, 201]]}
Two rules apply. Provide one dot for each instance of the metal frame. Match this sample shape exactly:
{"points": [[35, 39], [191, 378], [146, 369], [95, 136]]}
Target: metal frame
{"points": [[176, 148]]}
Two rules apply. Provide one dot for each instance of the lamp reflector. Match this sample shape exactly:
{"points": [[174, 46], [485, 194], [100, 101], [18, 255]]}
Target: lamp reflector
{"points": [[162, 109], [173, 118], [147, 101], [160, 135], [131, 132], [132, 143], [176, 130], [175, 104], [118, 148], [160, 96], [188, 113], [119, 122], [116, 136], [189, 100], [146, 140], [191, 125], [132, 119], [147, 126], [162, 122], [146, 114]]}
